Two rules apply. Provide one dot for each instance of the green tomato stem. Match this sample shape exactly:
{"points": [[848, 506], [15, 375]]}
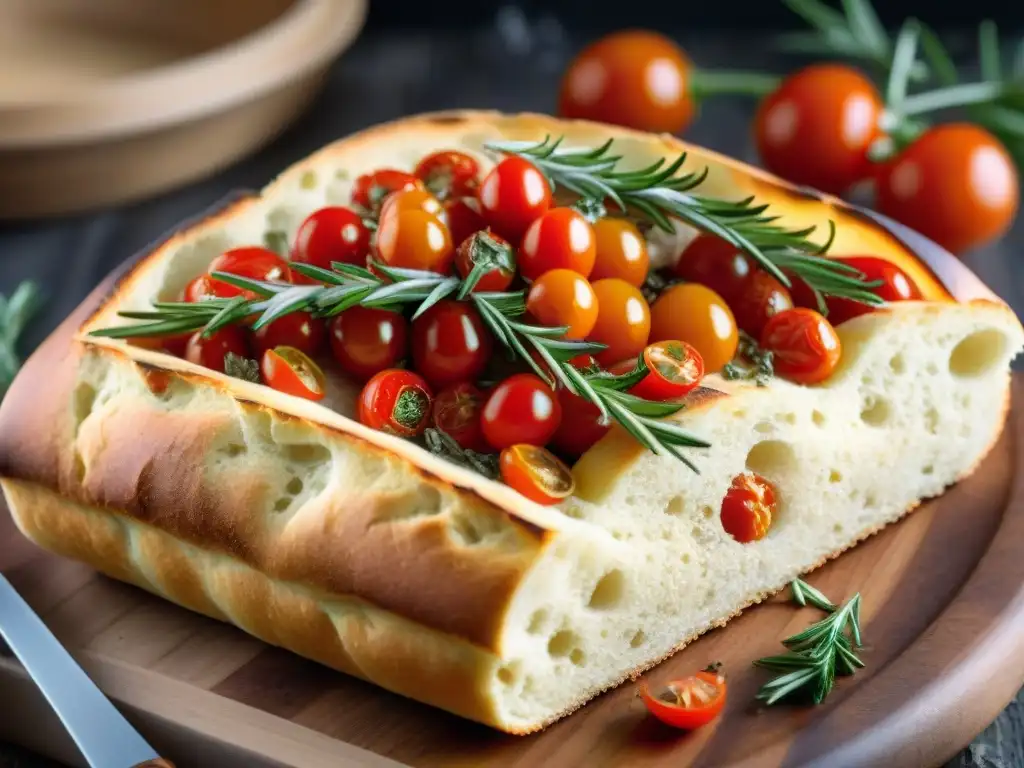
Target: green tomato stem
{"points": [[704, 83]]}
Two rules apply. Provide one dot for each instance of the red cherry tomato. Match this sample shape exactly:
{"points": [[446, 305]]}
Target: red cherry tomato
{"points": [[252, 262], [368, 340], [633, 78], [536, 473], [580, 426], [328, 235], [760, 297], [804, 345], [816, 127], [490, 252], [299, 330], [675, 369], [463, 218], [210, 353], [748, 508], [396, 401], [716, 264], [956, 184], [896, 286], [560, 239], [371, 188], [198, 289], [457, 413], [800, 291], [562, 297], [450, 343], [620, 251], [520, 409], [623, 320], [288, 370], [512, 196], [449, 173], [688, 703], [414, 239]]}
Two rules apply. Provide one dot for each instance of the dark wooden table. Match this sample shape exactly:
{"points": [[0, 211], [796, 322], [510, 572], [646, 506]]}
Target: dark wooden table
{"points": [[512, 65]]}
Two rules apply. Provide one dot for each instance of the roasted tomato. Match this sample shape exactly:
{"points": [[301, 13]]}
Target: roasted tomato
{"points": [[368, 340], [562, 297], [449, 173], [520, 409], [748, 508], [252, 262], [462, 215], [414, 199], [210, 352], [620, 251], [414, 239], [492, 256], [804, 345], [512, 196], [299, 330], [328, 235], [715, 263], [288, 370], [536, 473], [457, 413], [396, 401], [371, 188], [697, 315], [450, 343], [896, 286], [560, 239], [760, 297], [623, 320], [675, 369], [688, 703]]}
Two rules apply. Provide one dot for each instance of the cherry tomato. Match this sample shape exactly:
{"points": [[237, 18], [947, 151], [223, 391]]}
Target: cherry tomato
{"points": [[491, 252], [173, 345], [371, 188], [580, 426], [536, 473], [210, 353], [697, 315], [396, 401], [415, 199], [620, 251], [623, 320], [463, 218], [634, 78], [199, 288], [563, 297], [675, 369], [252, 262], [368, 340], [896, 286], [800, 291], [804, 345], [449, 173], [299, 330], [688, 703], [415, 240], [711, 261], [450, 343], [288, 370], [520, 409], [512, 196], [560, 239], [956, 184], [457, 414], [760, 297], [816, 127], [328, 235], [748, 507]]}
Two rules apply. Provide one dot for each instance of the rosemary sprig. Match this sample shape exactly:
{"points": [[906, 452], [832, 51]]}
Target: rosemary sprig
{"points": [[442, 444], [15, 312], [803, 593], [242, 368]]}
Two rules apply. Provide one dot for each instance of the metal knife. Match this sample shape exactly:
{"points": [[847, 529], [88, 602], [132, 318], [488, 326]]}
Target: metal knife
{"points": [[104, 737]]}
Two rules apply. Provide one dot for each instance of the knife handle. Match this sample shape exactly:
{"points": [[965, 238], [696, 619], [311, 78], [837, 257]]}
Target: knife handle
{"points": [[158, 763]]}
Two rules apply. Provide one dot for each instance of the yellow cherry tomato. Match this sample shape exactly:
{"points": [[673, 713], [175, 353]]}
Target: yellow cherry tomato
{"points": [[562, 297], [623, 320], [621, 251], [697, 315]]}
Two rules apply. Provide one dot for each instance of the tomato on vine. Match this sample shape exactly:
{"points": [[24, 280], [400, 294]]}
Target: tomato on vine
{"points": [[211, 352], [299, 330], [457, 412], [623, 320], [715, 263], [536, 473], [804, 345], [368, 340], [760, 297], [288, 370], [512, 196], [694, 313], [674, 368], [619, 251], [491, 257], [371, 189], [896, 286], [449, 173], [562, 297], [450, 343], [248, 261], [748, 507], [559, 239], [396, 401], [414, 239], [328, 235], [520, 409], [688, 703]]}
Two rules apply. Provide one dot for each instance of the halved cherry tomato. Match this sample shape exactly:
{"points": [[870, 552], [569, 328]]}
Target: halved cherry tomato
{"points": [[817, 126], [396, 401], [623, 320], [489, 252], [198, 289], [368, 340], [675, 369], [520, 409], [288, 370], [697, 315], [457, 413], [252, 262], [414, 199], [210, 352], [371, 188], [536, 473], [512, 196], [896, 286], [449, 173], [760, 297], [955, 184], [562, 297], [560, 239], [716, 263], [298, 329], [330, 234], [748, 507], [805, 347], [450, 343], [415, 240], [688, 703], [620, 251], [462, 215]]}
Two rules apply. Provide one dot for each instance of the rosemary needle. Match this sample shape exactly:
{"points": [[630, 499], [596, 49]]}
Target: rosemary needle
{"points": [[15, 312]]}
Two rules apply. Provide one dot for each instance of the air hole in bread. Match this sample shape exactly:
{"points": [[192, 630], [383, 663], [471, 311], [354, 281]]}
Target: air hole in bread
{"points": [[685, 558], [469, 529], [308, 180], [786, 418], [707, 511], [231, 450], [638, 639], [577, 657], [283, 503], [870, 501], [977, 354], [294, 486], [509, 673], [306, 453], [928, 469], [835, 476], [538, 620], [608, 592], [818, 418], [931, 420], [770, 458], [562, 643], [838, 527], [764, 427], [931, 369], [83, 399], [897, 363], [875, 411], [573, 510], [675, 506]]}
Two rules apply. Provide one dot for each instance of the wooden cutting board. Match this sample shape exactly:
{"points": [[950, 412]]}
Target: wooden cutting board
{"points": [[943, 618]]}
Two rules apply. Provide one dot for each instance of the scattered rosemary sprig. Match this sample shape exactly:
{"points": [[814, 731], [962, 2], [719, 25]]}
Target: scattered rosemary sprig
{"points": [[442, 444], [242, 368], [803, 593], [15, 312], [751, 362]]}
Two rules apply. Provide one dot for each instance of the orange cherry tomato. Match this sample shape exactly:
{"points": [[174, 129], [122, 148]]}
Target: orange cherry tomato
{"points": [[711, 261], [623, 320], [493, 255], [634, 78], [560, 239], [456, 412], [563, 297], [520, 409], [252, 262], [371, 189], [955, 184], [414, 239], [675, 369], [816, 127], [688, 703], [536, 473], [620, 251], [760, 297], [695, 314], [512, 195], [288, 370], [748, 507], [805, 347], [449, 173], [411, 199], [462, 215], [396, 401]]}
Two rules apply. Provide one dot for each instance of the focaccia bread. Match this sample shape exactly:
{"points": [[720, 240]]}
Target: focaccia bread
{"points": [[365, 552]]}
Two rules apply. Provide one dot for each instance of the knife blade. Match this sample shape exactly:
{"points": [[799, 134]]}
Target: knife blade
{"points": [[102, 734]]}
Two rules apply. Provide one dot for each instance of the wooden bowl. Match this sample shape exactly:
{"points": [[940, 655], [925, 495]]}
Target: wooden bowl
{"points": [[113, 100]]}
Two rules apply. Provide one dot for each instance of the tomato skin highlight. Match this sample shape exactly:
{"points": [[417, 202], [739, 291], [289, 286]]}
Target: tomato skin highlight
{"points": [[456, 412], [560, 239], [536, 474], [299, 330], [716, 264], [450, 343], [562, 297], [396, 401], [748, 508], [449, 173], [804, 345], [488, 248], [689, 703], [414, 239], [675, 369], [368, 340], [619, 251], [520, 409], [623, 320], [512, 196], [289, 370], [371, 189], [327, 235], [210, 352], [896, 286], [695, 314], [252, 262], [760, 297]]}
